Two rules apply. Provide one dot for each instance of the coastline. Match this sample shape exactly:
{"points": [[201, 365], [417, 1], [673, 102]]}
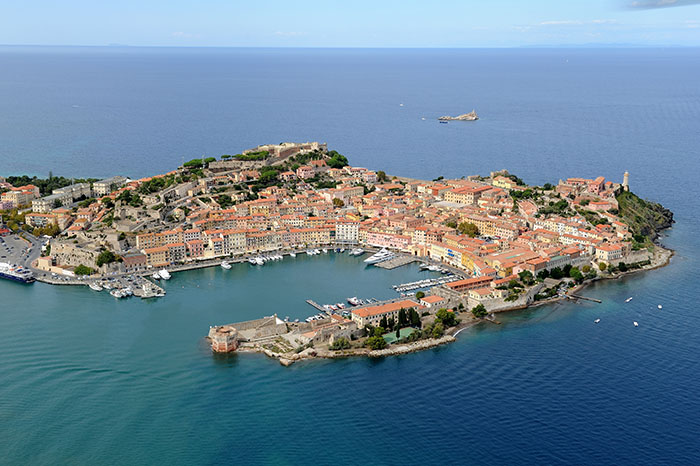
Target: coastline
{"points": [[662, 258]]}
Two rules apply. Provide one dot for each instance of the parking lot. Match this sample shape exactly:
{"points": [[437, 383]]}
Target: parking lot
{"points": [[13, 250]]}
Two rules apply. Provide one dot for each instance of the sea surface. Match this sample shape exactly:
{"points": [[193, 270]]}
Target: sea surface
{"points": [[88, 379]]}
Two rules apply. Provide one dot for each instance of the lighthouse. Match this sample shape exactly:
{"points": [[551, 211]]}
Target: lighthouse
{"points": [[626, 181]]}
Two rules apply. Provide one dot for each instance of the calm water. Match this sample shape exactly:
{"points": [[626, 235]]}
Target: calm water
{"points": [[87, 379]]}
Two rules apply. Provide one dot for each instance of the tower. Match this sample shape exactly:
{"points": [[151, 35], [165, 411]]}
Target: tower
{"points": [[626, 181]]}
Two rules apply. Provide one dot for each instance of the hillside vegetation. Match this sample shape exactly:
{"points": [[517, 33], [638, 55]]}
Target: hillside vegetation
{"points": [[644, 218]]}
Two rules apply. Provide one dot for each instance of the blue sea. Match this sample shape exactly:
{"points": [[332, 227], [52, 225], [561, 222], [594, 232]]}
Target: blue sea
{"points": [[87, 379]]}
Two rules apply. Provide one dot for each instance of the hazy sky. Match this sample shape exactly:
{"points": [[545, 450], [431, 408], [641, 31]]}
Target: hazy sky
{"points": [[350, 23]]}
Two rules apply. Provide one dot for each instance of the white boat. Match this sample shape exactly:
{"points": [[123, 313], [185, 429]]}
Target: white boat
{"points": [[381, 256], [128, 291], [316, 251], [225, 265], [342, 249], [354, 301], [259, 261], [292, 254], [357, 252], [117, 293], [660, 306], [164, 274], [636, 324], [628, 299], [340, 306], [325, 251], [596, 321], [95, 287], [156, 275], [252, 261]]}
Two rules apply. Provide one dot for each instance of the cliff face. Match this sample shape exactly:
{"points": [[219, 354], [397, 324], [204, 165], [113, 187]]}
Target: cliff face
{"points": [[643, 217]]}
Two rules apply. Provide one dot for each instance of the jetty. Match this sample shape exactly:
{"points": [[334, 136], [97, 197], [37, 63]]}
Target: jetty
{"points": [[585, 298], [396, 262]]}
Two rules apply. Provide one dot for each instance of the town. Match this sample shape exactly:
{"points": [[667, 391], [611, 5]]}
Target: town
{"points": [[507, 244]]}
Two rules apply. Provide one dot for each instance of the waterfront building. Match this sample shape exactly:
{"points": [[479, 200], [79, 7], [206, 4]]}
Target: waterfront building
{"points": [[372, 315], [224, 339]]}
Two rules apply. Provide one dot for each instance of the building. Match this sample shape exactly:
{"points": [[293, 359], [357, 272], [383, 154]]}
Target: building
{"points": [[108, 185], [372, 315], [224, 339]]}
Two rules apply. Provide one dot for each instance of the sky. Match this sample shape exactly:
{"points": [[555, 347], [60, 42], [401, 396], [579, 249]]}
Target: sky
{"points": [[353, 23]]}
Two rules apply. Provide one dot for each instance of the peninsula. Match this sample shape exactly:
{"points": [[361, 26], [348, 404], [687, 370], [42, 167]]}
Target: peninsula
{"points": [[501, 244], [471, 116]]}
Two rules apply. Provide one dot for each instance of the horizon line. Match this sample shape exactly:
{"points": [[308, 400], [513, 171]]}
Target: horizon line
{"points": [[445, 47]]}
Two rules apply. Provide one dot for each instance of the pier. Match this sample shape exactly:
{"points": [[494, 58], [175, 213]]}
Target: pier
{"points": [[585, 298], [316, 305], [399, 261], [426, 283]]}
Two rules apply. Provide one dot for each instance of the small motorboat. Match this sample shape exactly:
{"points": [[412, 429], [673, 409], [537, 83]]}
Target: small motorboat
{"points": [[596, 321], [628, 299], [164, 274], [225, 265], [660, 306], [354, 301], [95, 287], [156, 275], [636, 324], [292, 254]]}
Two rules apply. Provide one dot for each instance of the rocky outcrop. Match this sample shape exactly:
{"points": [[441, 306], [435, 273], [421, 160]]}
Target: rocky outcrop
{"points": [[471, 116], [411, 347]]}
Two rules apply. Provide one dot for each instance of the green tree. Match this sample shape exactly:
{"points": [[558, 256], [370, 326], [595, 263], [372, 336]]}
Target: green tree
{"points": [[83, 270], [383, 322], [468, 229], [415, 317], [376, 342], [602, 266], [479, 311], [526, 277], [105, 257], [420, 295], [556, 273], [338, 202], [622, 267], [398, 332], [445, 317], [381, 176], [403, 318], [576, 274], [438, 330], [339, 344]]}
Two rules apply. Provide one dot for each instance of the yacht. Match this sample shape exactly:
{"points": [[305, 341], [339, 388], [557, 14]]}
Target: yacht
{"points": [[164, 274], [117, 293], [95, 286], [354, 301], [156, 275], [225, 265], [381, 256]]}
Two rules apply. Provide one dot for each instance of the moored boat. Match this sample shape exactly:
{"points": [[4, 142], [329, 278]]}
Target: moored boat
{"points": [[164, 274], [225, 265], [95, 286]]}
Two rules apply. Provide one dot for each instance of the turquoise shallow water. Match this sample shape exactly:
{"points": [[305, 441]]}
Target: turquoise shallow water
{"points": [[84, 378]]}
